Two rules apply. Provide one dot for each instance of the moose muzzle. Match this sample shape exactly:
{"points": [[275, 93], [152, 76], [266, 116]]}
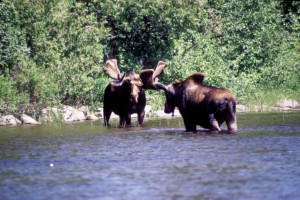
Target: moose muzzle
{"points": [[135, 90]]}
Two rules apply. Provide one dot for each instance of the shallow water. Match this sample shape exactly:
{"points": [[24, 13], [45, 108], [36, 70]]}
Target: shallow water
{"points": [[156, 161]]}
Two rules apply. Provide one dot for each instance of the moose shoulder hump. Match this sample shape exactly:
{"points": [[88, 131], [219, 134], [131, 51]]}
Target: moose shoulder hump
{"points": [[198, 77]]}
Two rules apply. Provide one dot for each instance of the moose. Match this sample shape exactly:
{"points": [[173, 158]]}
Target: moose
{"points": [[126, 95], [200, 104]]}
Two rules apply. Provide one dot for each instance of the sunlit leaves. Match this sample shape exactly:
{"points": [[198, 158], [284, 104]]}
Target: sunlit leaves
{"points": [[52, 51]]}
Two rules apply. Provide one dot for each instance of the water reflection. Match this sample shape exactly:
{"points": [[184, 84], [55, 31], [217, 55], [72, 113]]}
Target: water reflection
{"points": [[158, 160]]}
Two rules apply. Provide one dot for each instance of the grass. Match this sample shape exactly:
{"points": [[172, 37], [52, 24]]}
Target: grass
{"points": [[265, 96]]}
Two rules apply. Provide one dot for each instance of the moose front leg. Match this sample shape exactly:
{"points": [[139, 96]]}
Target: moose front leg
{"points": [[141, 116], [189, 125], [122, 120], [128, 119]]}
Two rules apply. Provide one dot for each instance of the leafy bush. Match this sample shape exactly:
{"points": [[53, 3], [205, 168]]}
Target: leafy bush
{"points": [[52, 52]]}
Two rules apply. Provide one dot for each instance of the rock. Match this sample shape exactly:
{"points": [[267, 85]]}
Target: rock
{"points": [[148, 111], [100, 110], [242, 108], [9, 120], [176, 113], [99, 113], [46, 115], [287, 103], [134, 115], [28, 120], [50, 114], [162, 114], [91, 117], [67, 113], [71, 114], [255, 108], [114, 116], [84, 109], [266, 108]]}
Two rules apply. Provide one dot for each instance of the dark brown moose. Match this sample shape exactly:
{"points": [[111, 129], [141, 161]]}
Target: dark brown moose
{"points": [[126, 95], [199, 104]]}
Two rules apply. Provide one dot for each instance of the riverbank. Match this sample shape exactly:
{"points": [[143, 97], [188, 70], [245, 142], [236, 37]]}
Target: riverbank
{"points": [[68, 114]]}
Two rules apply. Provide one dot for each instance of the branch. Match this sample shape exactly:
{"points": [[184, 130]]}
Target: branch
{"points": [[186, 50]]}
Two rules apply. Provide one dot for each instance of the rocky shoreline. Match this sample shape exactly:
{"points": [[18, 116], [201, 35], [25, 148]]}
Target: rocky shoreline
{"points": [[69, 114]]}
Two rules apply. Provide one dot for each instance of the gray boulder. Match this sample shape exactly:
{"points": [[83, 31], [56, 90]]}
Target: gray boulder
{"points": [[91, 117], [162, 114], [287, 103], [28, 120], [99, 113], [9, 120], [242, 108], [148, 111], [51, 114], [66, 113], [71, 114], [84, 109]]}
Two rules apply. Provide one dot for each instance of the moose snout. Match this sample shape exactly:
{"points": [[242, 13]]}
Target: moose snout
{"points": [[134, 98], [168, 108], [134, 94]]}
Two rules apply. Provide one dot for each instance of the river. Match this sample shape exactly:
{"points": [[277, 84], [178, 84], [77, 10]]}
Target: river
{"points": [[156, 161]]}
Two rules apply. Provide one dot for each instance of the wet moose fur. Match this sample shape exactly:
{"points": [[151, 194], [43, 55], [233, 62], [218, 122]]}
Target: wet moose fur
{"points": [[120, 100], [200, 104], [126, 95]]}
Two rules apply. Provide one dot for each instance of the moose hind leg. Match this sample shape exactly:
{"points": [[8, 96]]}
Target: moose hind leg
{"points": [[231, 119], [106, 113], [214, 125], [231, 123]]}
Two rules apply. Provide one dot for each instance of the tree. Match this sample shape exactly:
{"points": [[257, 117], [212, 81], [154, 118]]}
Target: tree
{"points": [[12, 40]]}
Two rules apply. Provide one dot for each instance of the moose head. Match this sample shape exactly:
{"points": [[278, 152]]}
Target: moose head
{"points": [[126, 95]]}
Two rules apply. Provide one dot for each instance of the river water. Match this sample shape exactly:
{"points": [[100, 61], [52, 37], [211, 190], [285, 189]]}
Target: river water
{"points": [[156, 161]]}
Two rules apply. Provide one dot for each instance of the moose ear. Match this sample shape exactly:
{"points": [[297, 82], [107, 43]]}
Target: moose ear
{"points": [[112, 70], [198, 77]]}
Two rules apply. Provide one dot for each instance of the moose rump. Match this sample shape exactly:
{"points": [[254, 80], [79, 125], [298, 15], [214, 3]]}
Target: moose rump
{"points": [[209, 109]]}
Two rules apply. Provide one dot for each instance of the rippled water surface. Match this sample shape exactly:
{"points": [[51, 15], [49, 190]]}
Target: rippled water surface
{"points": [[156, 161]]}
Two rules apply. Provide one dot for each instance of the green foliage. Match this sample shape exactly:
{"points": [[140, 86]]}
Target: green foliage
{"points": [[52, 52], [248, 46], [12, 41]]}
